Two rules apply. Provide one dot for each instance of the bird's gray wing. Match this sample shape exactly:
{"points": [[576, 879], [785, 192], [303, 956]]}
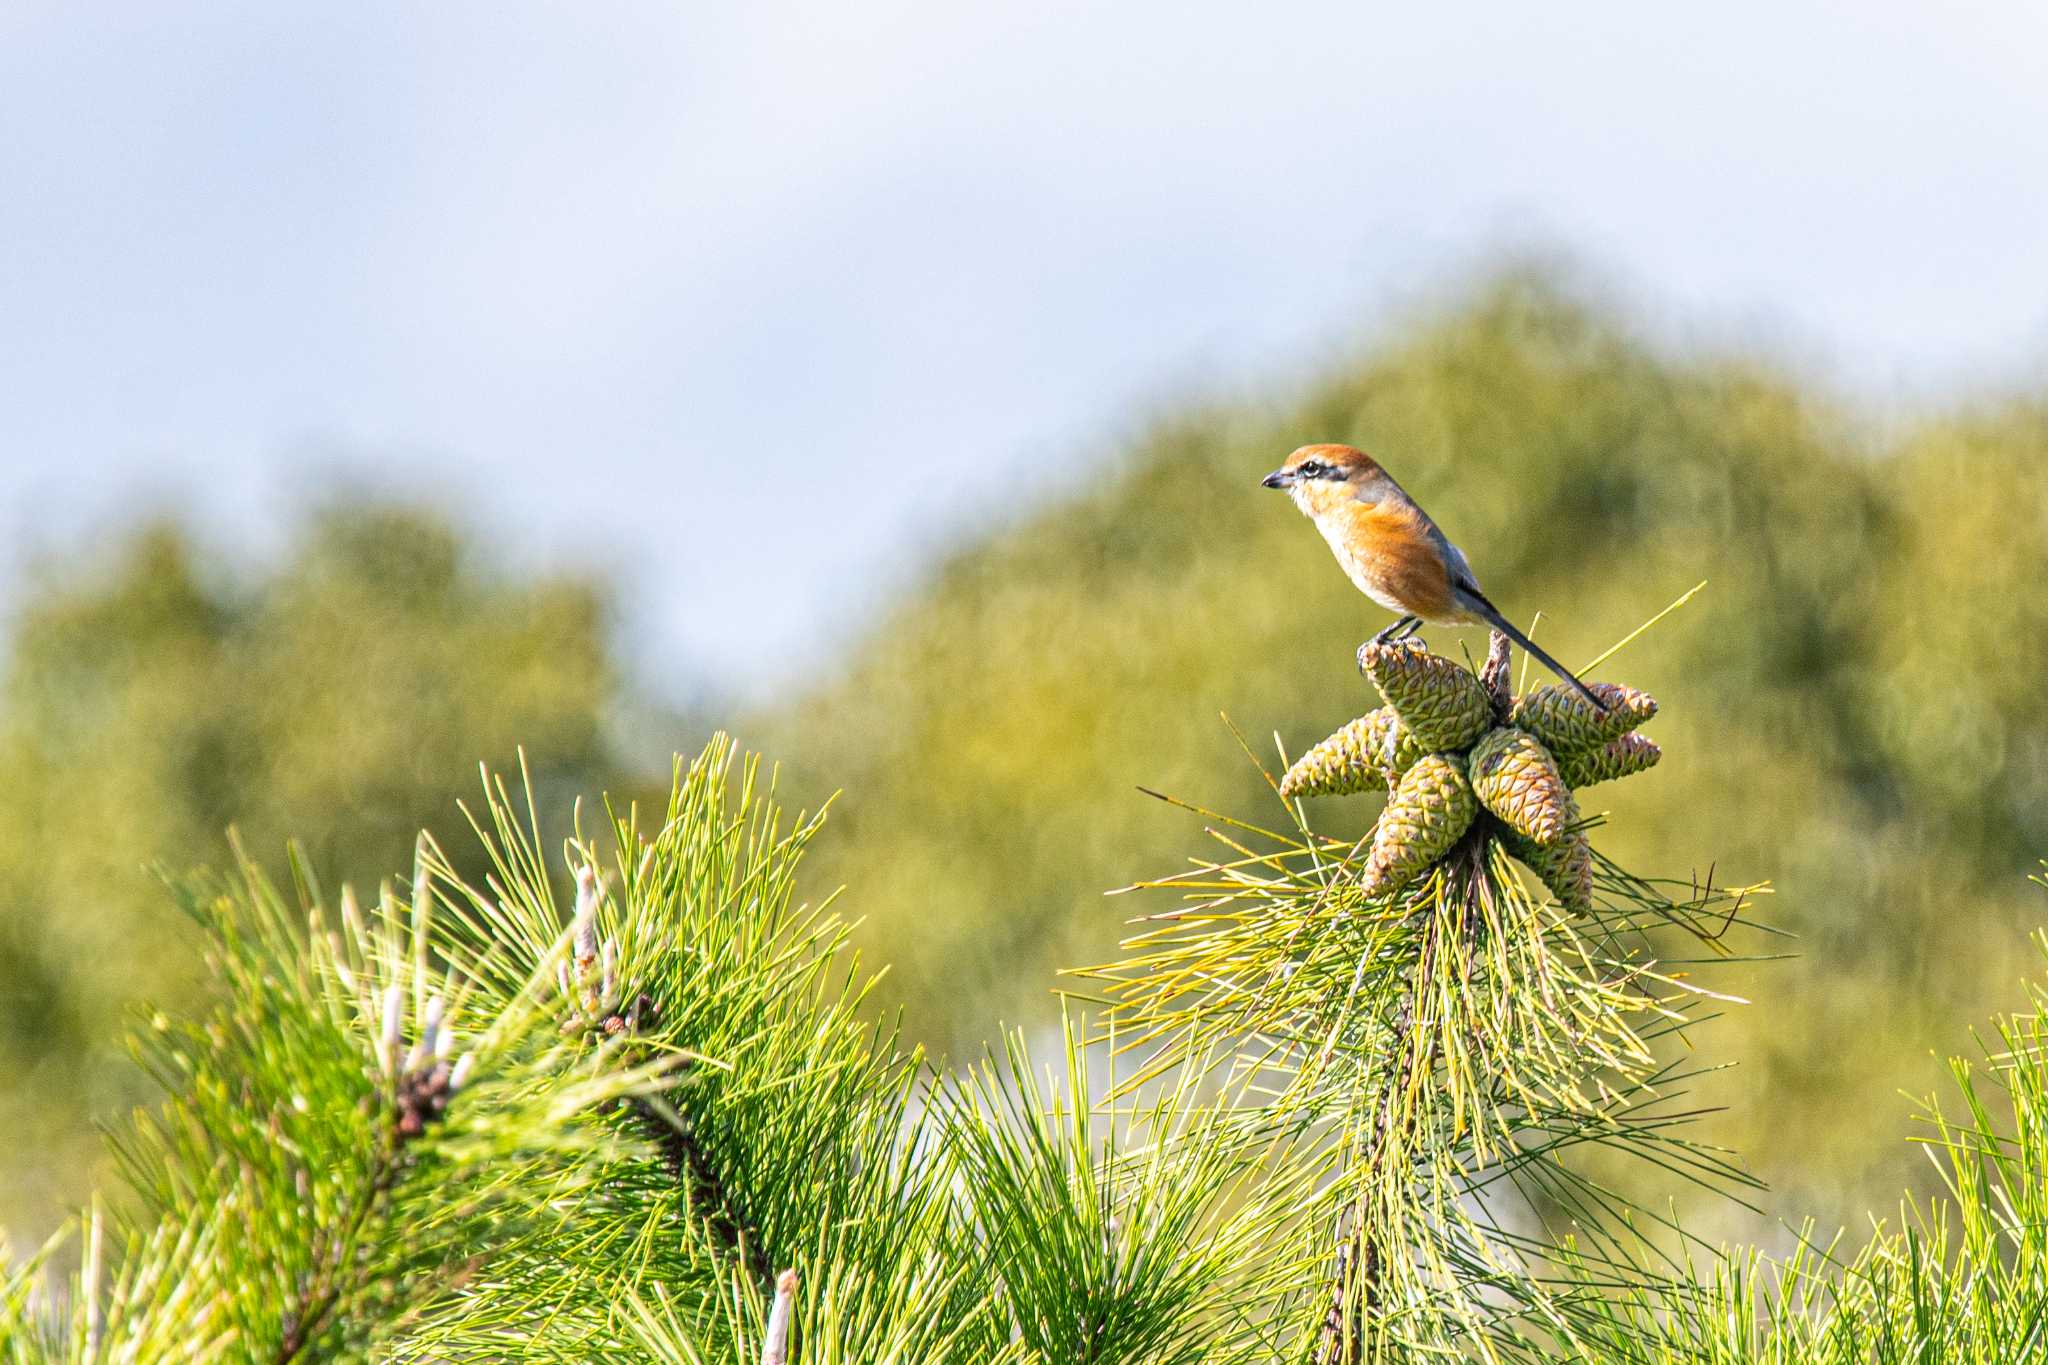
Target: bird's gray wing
{"points": [[1382, 488], [1461, 569]]}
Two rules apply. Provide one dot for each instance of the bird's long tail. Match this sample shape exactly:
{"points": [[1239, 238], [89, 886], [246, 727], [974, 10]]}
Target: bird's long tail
{"points": [[1490, 614]]}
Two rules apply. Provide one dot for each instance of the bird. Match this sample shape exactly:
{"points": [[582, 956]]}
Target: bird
{"points": [[1392, 550]]}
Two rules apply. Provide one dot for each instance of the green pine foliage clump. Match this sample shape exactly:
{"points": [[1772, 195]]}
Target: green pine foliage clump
{"points": [[627, 1101]]}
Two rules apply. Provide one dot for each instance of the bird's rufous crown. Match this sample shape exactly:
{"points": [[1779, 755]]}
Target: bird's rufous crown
{"points": [[1350, 459]]}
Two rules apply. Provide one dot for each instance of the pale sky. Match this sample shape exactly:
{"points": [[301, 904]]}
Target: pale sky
{"points": [[750, 303]]}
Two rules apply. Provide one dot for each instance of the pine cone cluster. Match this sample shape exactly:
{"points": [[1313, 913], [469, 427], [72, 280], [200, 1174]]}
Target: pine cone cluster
{"points": [[1449, 753]]}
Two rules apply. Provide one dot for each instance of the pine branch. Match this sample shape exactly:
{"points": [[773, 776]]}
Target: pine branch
{"points": [[422, 1098], [667, 1127], [1356, 1299], [1423, 1034]]}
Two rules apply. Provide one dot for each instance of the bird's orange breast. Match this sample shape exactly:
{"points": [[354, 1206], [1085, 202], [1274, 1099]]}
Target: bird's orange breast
{"points": [[1388, 552]]}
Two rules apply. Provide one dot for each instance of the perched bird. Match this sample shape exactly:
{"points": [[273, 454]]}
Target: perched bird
{"points": [[1391, 550]]}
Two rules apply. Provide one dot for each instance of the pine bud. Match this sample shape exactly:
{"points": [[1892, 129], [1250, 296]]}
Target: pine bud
{"points": [[1514, 776], [1439, 702], [422, 896], [1430, 807], [1565, 867], [775, 1341], [1624, 757], [394, 1000], [1568, 724], [586, 919], [430, 1031]]}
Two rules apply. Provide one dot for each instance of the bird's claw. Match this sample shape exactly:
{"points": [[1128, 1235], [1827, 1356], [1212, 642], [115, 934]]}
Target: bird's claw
{"points": [[1398, 631]]}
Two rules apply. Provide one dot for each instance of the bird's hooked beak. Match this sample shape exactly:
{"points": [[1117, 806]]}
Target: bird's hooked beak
{"points": [[1279, 478]]}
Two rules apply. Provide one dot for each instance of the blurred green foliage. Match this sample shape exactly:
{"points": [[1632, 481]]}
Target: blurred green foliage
{"points": [[1853, 709], [149, 703]]}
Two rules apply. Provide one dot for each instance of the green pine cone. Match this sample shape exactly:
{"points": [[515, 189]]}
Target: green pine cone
{"points": [[1565, 867], [1430, 807], [1514, 776], [1624, 757], [1568, 724], [1362, 756], [1344, 763], [1442, 704], [1393, 743]]}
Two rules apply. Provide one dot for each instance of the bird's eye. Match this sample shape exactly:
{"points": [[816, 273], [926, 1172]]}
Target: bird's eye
{"points": [[1314, 469]]}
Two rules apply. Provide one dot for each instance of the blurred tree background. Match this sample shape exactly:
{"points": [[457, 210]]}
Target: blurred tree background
{"points": [[150, 701], [1853, 708]]}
